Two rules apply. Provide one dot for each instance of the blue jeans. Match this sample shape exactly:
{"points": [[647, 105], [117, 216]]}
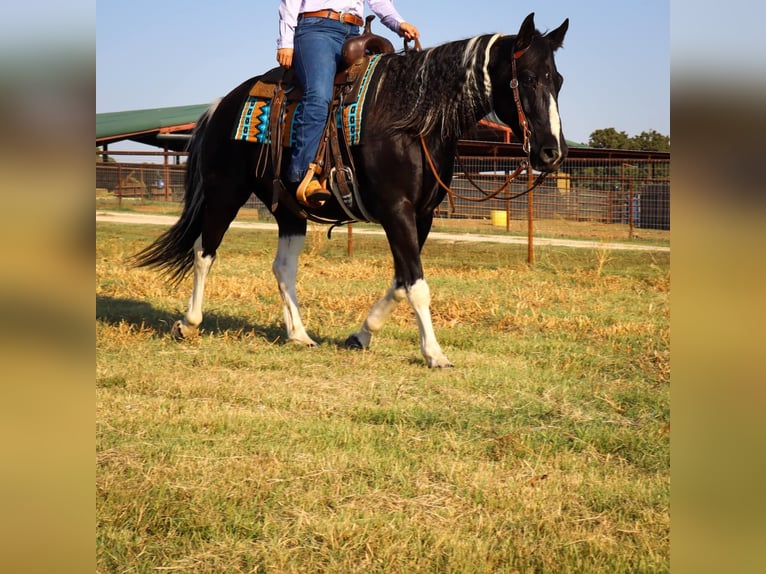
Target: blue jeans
{"points": [[318, 44]]}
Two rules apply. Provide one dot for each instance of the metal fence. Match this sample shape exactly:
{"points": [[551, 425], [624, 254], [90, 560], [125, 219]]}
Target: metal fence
{"points": [[616, 196], [584, 190]]}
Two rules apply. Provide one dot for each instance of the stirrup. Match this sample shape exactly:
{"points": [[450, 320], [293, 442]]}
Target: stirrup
{"points": [[350, 183], [308, 200]]}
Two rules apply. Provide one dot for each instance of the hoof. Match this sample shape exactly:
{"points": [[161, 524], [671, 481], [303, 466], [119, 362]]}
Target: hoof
{"points": [[182, 332], [304, 342], [440, 363], [354, 343]]}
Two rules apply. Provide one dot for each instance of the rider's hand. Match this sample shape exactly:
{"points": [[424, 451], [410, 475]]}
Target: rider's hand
{"points": [[408, 31], [285, 57]]}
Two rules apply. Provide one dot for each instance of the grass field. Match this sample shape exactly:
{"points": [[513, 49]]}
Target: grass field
{"points": [[545, 450]]}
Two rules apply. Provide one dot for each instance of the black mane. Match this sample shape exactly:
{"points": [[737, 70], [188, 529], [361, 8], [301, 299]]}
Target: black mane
{"points": [[441, 88]]}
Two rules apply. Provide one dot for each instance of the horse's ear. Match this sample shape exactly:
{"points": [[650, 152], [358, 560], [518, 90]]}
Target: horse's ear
{"points": [[556, 38], [526, 33]]}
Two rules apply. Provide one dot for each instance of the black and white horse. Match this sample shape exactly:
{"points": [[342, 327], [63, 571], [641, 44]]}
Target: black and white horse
{"points": [[418, 103]]}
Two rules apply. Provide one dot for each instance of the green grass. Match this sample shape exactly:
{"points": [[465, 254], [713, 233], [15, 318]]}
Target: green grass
{"points": [[545, 450]]}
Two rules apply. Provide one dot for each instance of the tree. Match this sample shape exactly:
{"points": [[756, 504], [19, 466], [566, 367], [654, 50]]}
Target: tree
{"points": [[608, 138], [651, 141]]}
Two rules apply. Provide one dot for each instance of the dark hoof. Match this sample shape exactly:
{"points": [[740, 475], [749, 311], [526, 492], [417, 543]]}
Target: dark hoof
{"points": [[181, 332], [354, 343]]}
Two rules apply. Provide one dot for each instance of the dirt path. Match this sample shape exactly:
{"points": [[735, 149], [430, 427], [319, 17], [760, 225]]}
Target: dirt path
{"points": [[146, 219]]}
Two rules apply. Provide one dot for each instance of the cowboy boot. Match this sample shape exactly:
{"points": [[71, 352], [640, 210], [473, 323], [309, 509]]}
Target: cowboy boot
{"points": [[311, 192]]}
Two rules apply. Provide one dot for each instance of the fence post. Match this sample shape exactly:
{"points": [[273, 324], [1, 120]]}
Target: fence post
{"points": [[630, 209], [609, 205], [530, 217], [166, 174], [119, 185], [508, 204]]}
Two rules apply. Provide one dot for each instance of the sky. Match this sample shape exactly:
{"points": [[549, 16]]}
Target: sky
{"points": [[615, 60]]}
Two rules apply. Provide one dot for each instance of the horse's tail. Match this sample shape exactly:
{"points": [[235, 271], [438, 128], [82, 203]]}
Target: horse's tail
{"points": [[173, 252]]}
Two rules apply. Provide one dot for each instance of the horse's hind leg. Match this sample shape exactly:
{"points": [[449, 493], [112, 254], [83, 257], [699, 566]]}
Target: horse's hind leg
{"points": [[285, 269], [217, 218], [187, 327]]}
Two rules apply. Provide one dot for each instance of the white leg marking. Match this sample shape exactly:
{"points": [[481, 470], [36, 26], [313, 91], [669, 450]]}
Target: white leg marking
{"points": [[186, 327], [378, 315], [419, 296], [285, 269], [193, 316]]}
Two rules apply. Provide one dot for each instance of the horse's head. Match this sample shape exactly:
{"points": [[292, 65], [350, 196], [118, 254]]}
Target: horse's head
{"points": [[525, 89]]}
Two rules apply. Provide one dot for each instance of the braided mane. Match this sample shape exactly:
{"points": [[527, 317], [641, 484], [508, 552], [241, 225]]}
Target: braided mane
{"points": [[443, 88]]}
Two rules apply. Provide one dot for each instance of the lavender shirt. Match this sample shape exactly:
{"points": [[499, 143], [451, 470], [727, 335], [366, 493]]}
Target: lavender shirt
{"points": [[289, 10]]}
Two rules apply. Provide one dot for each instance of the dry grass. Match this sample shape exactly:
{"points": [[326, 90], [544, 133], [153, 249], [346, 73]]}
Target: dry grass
{"points": [[553, 228], [545, 450]]}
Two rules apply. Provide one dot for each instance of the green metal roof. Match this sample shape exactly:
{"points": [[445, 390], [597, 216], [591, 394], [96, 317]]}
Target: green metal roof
{"points": [[169, 128], [145, 125]]}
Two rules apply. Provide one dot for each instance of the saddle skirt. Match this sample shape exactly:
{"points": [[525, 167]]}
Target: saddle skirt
{"points": [[255, 118]]}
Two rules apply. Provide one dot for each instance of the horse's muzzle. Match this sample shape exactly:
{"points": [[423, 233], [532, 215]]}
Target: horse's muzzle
{"points": [[549, 157]]}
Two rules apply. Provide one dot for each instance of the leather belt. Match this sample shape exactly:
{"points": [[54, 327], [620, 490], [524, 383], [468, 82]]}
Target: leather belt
{"points": [[344, 17]]}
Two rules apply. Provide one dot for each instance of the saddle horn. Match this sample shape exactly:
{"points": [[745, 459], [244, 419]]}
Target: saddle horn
{"points": [[365, 44]]}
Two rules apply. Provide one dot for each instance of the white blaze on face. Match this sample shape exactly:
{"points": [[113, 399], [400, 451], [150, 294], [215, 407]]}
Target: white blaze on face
{"points": [[555, 120]]}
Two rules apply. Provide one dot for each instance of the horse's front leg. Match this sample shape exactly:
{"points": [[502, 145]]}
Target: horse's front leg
{"points": [[285, 269], [419, 296], [406, 236], [188, 326], [377, 316]]}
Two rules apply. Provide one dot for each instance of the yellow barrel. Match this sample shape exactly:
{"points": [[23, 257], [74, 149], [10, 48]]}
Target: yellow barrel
{"points": [[499, 218]]}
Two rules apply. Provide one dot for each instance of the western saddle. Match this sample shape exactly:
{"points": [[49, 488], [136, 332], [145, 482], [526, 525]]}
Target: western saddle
{"points": [[333, 163]]}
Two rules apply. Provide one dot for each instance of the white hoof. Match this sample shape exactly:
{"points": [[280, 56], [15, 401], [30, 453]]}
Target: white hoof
{"points": [[441, 362], [304, 341]]}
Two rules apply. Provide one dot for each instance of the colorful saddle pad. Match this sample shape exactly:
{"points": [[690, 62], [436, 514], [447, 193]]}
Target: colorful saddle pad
{"points": [[253, 123]]}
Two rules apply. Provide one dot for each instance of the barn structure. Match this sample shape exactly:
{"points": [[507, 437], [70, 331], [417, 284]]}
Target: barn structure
{"points": [[607, 186]]}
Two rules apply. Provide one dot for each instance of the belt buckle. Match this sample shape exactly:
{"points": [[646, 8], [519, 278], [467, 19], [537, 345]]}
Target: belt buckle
{"points": [[341, 15]]}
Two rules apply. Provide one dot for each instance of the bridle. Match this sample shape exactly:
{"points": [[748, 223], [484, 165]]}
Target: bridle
{"points": [[516, 98], [526, 147]]}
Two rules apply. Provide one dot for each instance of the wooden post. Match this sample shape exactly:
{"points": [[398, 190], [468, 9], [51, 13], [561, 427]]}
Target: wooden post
{"points": [[119, 185], [350, 246], [166, 174], [507, 203], [530, 217], [630, 209]]}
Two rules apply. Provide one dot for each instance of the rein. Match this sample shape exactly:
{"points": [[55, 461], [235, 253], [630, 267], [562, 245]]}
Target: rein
{"points": [[527, 133]]}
